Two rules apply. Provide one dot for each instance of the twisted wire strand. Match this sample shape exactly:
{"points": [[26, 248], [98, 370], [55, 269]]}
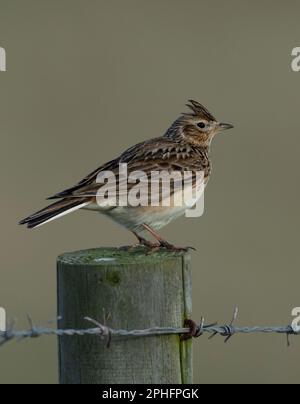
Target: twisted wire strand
{"points": [[104, 332]]}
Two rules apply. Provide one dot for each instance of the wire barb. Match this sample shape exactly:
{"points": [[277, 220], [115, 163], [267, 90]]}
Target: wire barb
{"points": [[104, 331], [230, 330], [34, 330]]}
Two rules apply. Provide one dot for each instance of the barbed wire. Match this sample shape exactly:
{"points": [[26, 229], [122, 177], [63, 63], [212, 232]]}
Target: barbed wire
{"points": [[191, 330]]}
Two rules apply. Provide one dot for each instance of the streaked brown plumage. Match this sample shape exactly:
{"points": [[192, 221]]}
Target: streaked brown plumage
{"points": [[184, 147]]}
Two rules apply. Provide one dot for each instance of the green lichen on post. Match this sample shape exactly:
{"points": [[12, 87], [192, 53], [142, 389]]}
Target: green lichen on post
{"points": [[139, 291], [115, 256], [186, 347], [112, 277]]}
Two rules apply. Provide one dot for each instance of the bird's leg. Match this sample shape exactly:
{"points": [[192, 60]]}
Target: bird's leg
{"points": [[142, 242], [163, 243], [145, 243]]}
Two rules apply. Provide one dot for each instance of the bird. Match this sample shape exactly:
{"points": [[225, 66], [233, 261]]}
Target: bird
{"points": [[184, 147]]}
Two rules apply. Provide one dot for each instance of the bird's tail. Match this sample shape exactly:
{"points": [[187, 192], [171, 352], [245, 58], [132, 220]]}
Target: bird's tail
{"points": [[54, 211]]}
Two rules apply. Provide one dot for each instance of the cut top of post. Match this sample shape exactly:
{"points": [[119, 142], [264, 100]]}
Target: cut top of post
{"points": [[114, 256]]}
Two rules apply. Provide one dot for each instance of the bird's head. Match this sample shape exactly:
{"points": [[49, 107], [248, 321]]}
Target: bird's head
{"points": [[197, 126]]}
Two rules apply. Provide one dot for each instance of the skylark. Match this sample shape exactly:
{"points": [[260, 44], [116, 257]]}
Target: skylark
{"points": [[184, 147]]}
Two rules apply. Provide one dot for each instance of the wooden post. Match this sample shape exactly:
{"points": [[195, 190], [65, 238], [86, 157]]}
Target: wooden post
{"points": [[139, 291]]}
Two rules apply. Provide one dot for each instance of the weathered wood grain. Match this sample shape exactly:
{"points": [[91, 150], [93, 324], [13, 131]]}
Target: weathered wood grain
{"points": [[138, 291]]}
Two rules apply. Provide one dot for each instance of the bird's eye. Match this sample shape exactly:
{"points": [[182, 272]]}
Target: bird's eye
{"points": [[201, 125]]}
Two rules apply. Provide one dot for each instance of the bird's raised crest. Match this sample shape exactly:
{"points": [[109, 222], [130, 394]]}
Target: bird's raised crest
{"points": [[199, 110]]}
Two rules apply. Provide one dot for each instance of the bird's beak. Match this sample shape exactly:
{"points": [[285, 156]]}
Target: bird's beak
{"points": [[225, 126]]}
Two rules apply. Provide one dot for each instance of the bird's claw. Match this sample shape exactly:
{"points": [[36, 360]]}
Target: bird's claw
{"points": [[170, 247]]}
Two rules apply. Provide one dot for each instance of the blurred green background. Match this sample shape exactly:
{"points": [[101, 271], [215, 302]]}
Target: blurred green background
{"points": [[87, 79]]}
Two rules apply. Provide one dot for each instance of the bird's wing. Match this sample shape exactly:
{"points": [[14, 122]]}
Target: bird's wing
{"points": [[112, 166], [156, 155]]}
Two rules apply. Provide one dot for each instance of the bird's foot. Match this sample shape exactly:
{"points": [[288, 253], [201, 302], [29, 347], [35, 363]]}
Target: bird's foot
{"points": [[148, 244], [170, 247], [163, 244]]}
